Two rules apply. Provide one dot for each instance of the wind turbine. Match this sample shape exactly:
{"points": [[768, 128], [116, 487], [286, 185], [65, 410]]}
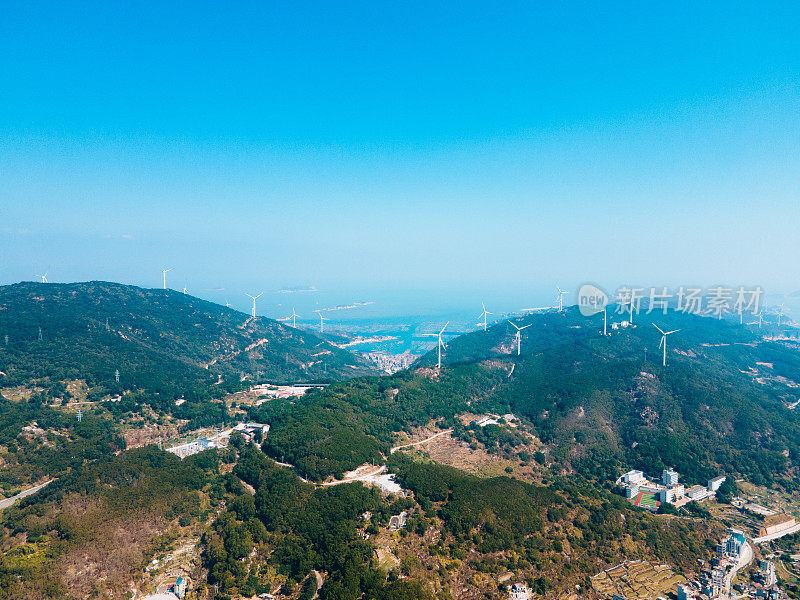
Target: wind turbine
{"points": [[780, 314], [561, 294], [663, 343], [321, 321], [185, 291], [164, 273], [254, 302], [483, 315], [44, 277], [292, 316], [440, 345], [518, 335]]}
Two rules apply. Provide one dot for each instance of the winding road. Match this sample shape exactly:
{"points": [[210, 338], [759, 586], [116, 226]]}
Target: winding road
{"points": [[9, 501], [744, 559]]}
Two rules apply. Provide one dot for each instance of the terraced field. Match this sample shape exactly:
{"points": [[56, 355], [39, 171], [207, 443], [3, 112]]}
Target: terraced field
{"points": [[637, 580]]}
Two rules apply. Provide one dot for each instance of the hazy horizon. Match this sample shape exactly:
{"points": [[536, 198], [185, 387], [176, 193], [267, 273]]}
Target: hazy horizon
{"points": [[354, 150]]}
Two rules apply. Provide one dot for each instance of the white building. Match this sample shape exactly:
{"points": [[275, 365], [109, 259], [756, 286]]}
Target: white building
{"points": [[671, 494], [634, 477], [713, 484], [519, 591], [189, 448], [697, 492], [685, 592], [734, 544], [632, 491], [669, 477]]}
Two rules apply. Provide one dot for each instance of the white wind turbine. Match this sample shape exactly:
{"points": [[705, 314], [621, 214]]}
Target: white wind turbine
{"points": [[293, 317], [518, 335], [780, 314], [164, 273], [440, 345], [185, 291], [254, 302], [561, 294], [483, 315], [663, 343], [321, 321], [44, 277]]}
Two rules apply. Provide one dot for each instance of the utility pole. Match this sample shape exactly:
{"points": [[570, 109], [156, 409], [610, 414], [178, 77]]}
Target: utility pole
{"points": [[40, 334]]}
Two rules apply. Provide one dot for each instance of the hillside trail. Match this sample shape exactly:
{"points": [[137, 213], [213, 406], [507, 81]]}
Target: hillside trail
{"points": [[364, 476]]}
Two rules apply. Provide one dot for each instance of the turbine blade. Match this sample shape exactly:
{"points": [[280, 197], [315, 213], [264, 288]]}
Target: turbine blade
{"points": [[673, 331], [659, 328]]}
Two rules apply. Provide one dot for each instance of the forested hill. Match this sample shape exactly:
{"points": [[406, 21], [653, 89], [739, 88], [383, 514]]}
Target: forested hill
{"points": [[723, 402], [157, 339]]}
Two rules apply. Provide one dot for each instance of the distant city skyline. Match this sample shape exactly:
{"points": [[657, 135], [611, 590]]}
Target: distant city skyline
{"points": [[368, 148]]}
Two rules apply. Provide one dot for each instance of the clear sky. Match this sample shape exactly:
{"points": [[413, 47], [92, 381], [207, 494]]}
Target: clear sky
{"points": [[379, 146]]}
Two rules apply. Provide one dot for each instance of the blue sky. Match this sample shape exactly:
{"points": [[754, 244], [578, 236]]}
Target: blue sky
{"points": [[415, 146]]}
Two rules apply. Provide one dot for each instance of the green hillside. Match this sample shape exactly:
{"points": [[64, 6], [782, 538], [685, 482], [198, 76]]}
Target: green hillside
{"points": [[721, 403], [163, 343]]}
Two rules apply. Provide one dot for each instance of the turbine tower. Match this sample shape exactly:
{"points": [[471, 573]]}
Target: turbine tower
{"points": [[561, 294], [663, 343], [164, 273], [293, 317], [518, 335], [44, 277], [321, 321], [780, 314], [440, 344], [483, 315], [254, 302]]}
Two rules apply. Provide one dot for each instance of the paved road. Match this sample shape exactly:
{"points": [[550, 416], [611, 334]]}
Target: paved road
{"points": [[744, 560], [9, 501]]}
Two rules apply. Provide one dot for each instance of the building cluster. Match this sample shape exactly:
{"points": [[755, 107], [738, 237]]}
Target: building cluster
{"points": [[668, 489], [711, 580], [193, 447], [172, 589], [250, 432], [714, 580]]}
